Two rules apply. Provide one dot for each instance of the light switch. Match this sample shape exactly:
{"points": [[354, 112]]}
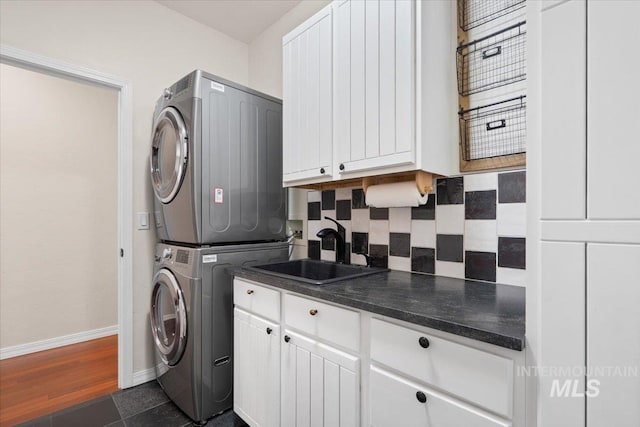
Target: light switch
{"points": [[143, 220]]}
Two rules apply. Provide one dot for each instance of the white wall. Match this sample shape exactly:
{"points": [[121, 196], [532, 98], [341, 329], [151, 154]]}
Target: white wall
{"points": [[58, 218], [146, 44]]}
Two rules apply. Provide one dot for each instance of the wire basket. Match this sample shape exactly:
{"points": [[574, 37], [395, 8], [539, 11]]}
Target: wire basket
{"points": [[494, 130], [496, 60], [473, 13]]}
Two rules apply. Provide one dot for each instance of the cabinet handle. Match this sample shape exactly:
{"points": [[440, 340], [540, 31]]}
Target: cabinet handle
{"points": [[341, 166], [322, 171], [421, 397], [269, 331], [313, 312], [287, 338], [424, 342], [249, 291]]}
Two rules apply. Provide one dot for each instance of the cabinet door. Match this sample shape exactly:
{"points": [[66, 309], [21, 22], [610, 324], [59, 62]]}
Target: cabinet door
{"points": [[396, 401], [256, 370], [374, 85], [307, 127], [613, 335], [320, 385], [613, 90]]}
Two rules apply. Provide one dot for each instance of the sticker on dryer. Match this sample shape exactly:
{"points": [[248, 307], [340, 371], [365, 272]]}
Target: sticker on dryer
{"points": [[218, 195], [217, 86], [209, 258]]}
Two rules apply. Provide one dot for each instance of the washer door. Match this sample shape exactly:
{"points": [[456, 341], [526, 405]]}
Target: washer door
{"points": [[168, 317], [168, 154]]}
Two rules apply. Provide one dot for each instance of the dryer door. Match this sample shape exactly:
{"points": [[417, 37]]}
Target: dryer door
{"points": [[168, 317], [168, 154]]}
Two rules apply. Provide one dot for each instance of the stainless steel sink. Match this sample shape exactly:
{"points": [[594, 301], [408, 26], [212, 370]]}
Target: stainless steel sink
{"points": [[316, 272]]}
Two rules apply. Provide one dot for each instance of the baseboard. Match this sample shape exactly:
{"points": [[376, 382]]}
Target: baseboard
{"points": [[33, 347], [143, 376]]}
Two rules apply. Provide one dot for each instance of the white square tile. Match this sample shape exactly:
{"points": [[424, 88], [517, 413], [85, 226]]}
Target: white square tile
{"points": [[327, 255], [481, 235], [450, 269], [314, 196], [379, 232], [325, 222], [481, 181], [343, 193], [423, 233], [512, 219], [450, 219], [360, 220], [511, 276], [312, 229], [399, 263], [299, 252], [400, 220], [358, 259]]}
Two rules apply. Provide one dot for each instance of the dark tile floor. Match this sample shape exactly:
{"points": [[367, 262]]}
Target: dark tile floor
{"points": [[141, 406]]}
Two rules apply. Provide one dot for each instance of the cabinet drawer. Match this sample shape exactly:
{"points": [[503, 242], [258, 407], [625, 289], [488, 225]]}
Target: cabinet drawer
{"points": [[477, 376], [394, 401], [334, 324], [257, 299]]}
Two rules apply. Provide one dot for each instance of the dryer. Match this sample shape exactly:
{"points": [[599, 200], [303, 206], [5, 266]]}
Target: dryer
{"points": [[216, 163], [192, 321]]}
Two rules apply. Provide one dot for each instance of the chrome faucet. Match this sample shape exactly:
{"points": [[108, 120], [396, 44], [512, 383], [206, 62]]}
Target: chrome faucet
{"points": [[339, 236]]}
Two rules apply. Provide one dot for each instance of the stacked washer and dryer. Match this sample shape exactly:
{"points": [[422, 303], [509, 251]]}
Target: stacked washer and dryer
{"points": [[216, 170]]}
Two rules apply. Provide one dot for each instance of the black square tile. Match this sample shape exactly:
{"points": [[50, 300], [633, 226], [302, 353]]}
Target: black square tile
{"points": [[343, 209], [166, 415], [426, 211], [480, 204], [400, 244], [138, 399], [450, 191], [313, 211], [227, 419], [379, 255], [360, 243], [328, 200], [449, 247], [423, 260], [96, 412], [512, 252], [378, 213], [512, 187], [357, 199], [313, 249], [329, 243], [480, 265], [347, 253]]}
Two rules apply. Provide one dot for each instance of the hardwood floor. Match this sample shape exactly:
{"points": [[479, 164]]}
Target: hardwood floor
{"points": [[37, 384]]}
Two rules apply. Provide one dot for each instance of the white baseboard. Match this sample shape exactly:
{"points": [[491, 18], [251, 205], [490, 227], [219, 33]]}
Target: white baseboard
{"points": [[33, 347], [143, 376]]}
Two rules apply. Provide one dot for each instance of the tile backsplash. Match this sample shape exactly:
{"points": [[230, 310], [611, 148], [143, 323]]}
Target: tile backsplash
{"points": [[473, 226]]}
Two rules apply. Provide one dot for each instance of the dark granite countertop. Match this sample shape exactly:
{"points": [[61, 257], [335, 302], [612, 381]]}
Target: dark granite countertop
{"points": [[483, 311]]}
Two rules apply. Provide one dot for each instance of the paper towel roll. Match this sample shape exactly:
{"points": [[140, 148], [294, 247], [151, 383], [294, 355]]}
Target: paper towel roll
{"points": [[395, 195]]}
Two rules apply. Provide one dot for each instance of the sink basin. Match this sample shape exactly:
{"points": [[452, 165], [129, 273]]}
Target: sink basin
{"points": [[316, 272]]}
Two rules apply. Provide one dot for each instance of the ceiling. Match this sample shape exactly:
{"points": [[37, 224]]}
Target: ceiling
{"points": [[243, 20]]}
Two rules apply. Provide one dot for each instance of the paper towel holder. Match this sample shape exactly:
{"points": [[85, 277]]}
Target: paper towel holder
{"points": [[423, 180]]}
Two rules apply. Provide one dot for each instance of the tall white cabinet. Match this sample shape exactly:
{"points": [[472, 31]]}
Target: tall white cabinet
{"points": [[583, 207]]}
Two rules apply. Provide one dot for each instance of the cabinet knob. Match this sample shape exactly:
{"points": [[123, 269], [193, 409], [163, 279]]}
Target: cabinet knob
{"points": [[249, 291], [322, 171], [341, 166], [424, 342], [313, 312], [287, 338], [269, 330], [421, 397]]}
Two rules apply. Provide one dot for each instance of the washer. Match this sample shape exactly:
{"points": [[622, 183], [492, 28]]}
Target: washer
{"points": [[192, 321], [216, 163]]}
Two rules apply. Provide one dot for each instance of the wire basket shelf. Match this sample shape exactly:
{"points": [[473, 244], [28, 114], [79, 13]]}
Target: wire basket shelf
{"points": [[473, 13], [493, 61], [494, 130]]}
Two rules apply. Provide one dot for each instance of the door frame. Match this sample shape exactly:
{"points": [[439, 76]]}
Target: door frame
{"points": [[31, 61]]}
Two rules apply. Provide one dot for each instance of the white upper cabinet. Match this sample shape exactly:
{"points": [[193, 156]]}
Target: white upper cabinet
{"points": [[384, 99], [307, 126]]}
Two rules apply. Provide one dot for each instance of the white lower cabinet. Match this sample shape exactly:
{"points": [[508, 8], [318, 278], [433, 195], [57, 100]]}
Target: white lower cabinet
{"points": [[397, 401], [320, 384]]}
